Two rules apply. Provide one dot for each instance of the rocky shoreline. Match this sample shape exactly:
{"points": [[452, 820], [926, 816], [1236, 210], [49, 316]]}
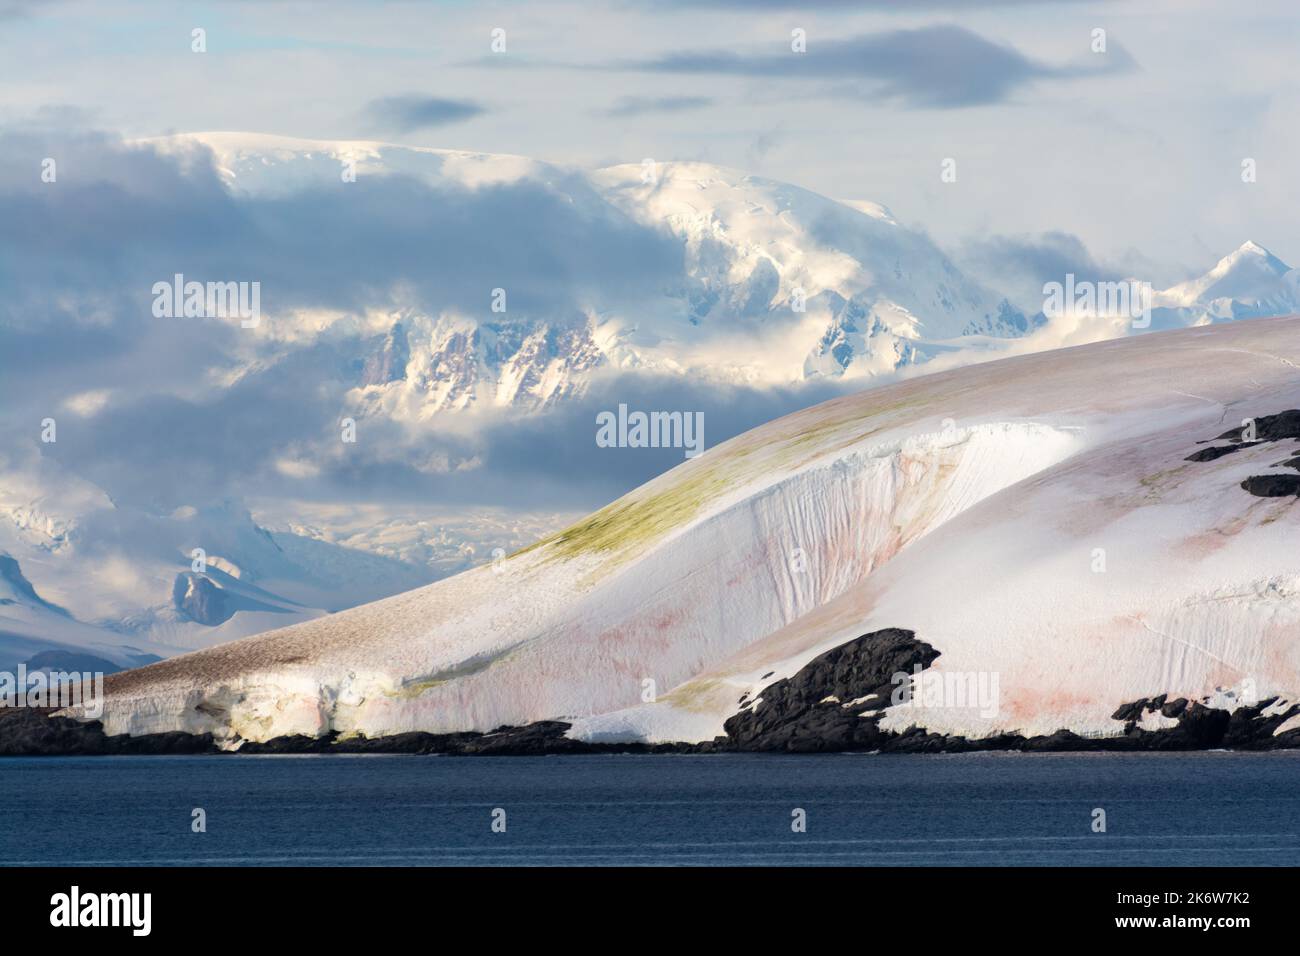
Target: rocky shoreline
{"points": [[805, 713]]}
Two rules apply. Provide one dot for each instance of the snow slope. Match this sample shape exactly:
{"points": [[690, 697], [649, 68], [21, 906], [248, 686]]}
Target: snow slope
{"points": [[968, 506]]}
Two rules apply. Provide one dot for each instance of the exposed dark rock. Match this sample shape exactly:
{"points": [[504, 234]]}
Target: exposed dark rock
{"points": [[1218, 451], [1053, 743], [200, 600], [1129, 711], [172, 742], [1266, 428], [35, 732], [205, 599], [1199, 728], [387, 363], [806, 713], [536, 739], [30, 731], [791, 715], [798, 717], [1203, 728], [1174, 707], [291, 744], [1248, 729], [11, 573], [1269, 427], [1272, 486]]}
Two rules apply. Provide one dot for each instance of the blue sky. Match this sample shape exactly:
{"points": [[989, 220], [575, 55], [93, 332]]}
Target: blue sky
{"points": [[1136, 152]]}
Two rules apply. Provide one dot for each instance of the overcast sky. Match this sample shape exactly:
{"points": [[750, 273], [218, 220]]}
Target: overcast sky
{"points": [[1133, 154], [1122, 163]]}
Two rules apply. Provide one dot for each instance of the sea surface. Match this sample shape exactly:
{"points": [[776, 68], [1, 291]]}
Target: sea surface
{"points": [[894, 810]]}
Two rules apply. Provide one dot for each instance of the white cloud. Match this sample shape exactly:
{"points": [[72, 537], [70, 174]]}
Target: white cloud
{"points": [[86, 404], [296, 468]]}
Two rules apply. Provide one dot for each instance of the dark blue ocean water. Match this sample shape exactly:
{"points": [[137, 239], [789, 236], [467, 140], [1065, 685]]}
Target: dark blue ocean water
{"points": [[983, 809]]}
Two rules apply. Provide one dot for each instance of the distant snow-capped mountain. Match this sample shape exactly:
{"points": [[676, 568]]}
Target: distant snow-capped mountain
{"points": [[82, 574], [771, 283], [1248, 283], [759, 251]]}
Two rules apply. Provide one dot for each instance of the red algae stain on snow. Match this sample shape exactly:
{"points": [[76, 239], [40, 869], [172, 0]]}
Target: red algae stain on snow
{"points": [[665, 620], [1202, 545], [1023, 704], [1281, 643], [1206, 543]]}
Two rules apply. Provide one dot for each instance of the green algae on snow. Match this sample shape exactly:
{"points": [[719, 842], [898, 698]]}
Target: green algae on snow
{"points": [[416, 686], [639, 520], [1161, 481], [643, 517], [697, 694]]}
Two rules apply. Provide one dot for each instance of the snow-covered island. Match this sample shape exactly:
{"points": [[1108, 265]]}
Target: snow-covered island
{"points": [[1105, 533]]}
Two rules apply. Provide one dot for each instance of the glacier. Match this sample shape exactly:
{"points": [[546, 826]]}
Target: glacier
{"points": [[1034, 517]]}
